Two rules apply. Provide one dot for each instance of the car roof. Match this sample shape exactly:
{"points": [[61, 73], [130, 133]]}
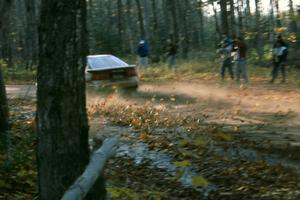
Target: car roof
{"points": [[104, 62]]}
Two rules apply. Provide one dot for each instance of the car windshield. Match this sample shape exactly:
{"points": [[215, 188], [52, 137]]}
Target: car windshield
{"points": [[105, 61]]}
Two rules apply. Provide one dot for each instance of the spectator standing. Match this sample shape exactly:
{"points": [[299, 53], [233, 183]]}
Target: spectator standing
{"points": [[171, 54], [241, 62], [143, 53], [280, 52], [226, 48]]}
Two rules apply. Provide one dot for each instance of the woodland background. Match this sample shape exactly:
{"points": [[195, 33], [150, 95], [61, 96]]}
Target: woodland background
{"points": [[116, 26]]}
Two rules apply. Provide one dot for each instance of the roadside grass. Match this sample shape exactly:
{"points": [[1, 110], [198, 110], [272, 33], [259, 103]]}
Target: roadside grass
{"points": [[205, 69], [208, 70], [19, 76]]}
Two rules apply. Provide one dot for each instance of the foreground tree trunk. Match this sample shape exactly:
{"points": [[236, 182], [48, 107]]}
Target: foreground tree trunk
{"points": [[3, 107], [61, 108], [4, 16]]}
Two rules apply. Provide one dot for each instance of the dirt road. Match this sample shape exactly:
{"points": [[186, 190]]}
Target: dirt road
{"points": [[20, 91], [232, 165], [262, 112], [266, 112]]}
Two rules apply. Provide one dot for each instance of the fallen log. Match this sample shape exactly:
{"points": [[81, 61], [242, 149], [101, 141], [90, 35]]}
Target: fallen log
{"points": [[83, 184]]}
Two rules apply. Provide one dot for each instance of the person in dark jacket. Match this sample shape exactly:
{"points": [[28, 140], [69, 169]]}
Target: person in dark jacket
{"points": [[280, 51], [171, 54], [143, 52], [226, 47]]}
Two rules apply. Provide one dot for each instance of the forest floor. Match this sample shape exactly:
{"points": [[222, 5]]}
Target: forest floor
{"points": [[180, 138]]}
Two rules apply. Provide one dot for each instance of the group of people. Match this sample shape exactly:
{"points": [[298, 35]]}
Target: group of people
{"points": [[143, 52], [235, 52], [233, 56]]}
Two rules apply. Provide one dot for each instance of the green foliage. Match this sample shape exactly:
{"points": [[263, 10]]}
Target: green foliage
{"points": [[127, 193], [199, 181], [183, 143], [185, 163], [223, 137], [3, 64], [18, 75], [200, 142], [121, 193], [267, 57]]}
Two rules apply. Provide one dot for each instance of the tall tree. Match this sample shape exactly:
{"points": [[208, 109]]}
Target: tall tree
{"points": [[147, 18], [31, 33], [258, 30], [63, 150], [183, 13], [155, 43], [141, 19], [232, 18], [172, 7], [278, 20], [154, 18], [201, 17], [217, 26], [224, 16], [4, 18], [293, 23], [3, 106], [247, 14], [129, 27], [120, 23], [298, 15], [272, 21], [239, 8]]}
